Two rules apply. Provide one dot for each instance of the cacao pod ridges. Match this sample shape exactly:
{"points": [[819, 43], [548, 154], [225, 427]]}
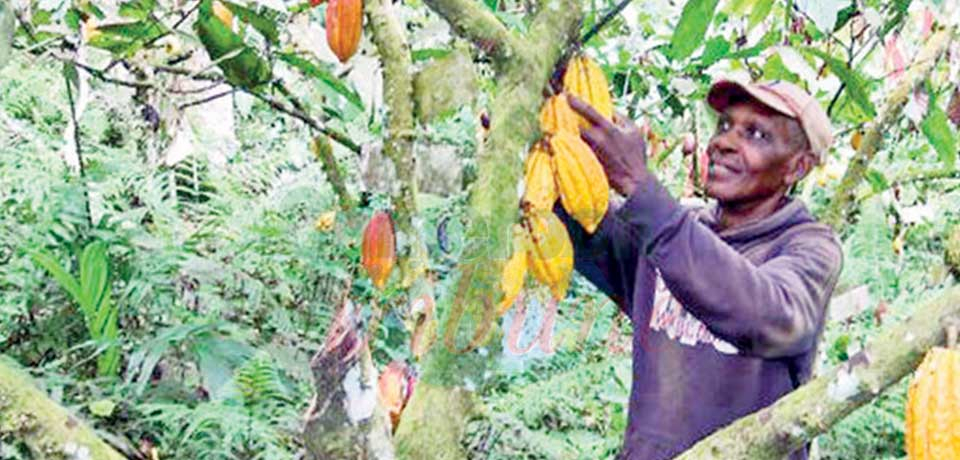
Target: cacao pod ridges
{"points": [[514, 270], [583, 185], [933, 407], [585, 79], [540, 186], [551, 252], [344, 23], [557, 115], [379, 246]]}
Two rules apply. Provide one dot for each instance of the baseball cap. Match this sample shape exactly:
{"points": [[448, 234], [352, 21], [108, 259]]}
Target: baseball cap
{"points": [[786, 98]]}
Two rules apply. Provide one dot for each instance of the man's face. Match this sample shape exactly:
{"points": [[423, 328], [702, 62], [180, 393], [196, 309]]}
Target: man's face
{"points": [[754, 154]]}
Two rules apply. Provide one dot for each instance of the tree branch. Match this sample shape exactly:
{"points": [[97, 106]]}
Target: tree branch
{"points": [[604, 21], [844, 199], [46, 428], [337, 136], [389, 36], [207, 99], [775, 431], [472, 21]]}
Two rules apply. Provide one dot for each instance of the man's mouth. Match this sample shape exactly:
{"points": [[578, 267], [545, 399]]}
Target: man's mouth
{"points": [[718, 168]]}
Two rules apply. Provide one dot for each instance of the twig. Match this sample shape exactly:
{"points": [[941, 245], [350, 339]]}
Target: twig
{"points": [[76, 145], [337, 136], [207, 99], [603, 21], [158, 37]]}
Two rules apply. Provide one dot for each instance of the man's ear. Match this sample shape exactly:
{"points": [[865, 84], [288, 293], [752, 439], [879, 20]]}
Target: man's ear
{"points": [[801, 165]]}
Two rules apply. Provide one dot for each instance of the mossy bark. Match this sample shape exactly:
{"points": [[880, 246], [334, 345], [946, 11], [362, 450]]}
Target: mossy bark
{"points": [[775, 431], [45, 427], [433, 423]]}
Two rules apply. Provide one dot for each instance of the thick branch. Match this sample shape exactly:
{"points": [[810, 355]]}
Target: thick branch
{"points": [[472, 21], [390, 38], [812, 409], [47, 429], [845, 199]]}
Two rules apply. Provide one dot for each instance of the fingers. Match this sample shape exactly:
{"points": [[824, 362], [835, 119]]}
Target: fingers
{"points": [[593, 137], [588, 112]]}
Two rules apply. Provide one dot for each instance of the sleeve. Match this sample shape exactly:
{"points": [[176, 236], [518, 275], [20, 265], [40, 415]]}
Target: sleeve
{"points": [[607, 258], [772, 310]]}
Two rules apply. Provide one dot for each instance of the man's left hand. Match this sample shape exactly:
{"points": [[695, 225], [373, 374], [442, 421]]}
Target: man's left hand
{"points": [[619, 145]]}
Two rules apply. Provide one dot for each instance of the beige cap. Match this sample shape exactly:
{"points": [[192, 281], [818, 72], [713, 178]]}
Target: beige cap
{"points": [[786, 98]]}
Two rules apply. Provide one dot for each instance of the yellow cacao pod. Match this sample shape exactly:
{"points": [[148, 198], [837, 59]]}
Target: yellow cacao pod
{"points": [[551, 252], [379, 248], [514, 270], [585, 79], [344, 22], [326, 221], [557, 115], [933, 407], [584, 190], [540, 189]]}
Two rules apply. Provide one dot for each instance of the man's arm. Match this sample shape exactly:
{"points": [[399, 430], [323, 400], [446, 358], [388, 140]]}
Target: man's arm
{"points": [[771, 310], [608, 257]]}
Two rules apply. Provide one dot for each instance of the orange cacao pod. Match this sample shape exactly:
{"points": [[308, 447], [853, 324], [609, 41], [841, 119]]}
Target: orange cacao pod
{"points": [[379, 248], [933, 407], [584, 190], [585, 79], [556, 115], [540, 189], [344, 24], [394, 388]]}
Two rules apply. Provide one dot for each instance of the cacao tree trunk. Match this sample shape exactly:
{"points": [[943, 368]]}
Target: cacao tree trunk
{"points": [[46, 428], [775, 431]]}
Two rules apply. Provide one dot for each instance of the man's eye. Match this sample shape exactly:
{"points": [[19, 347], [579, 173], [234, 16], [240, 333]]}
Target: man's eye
{"points": [[723, 126], [757, 134]]}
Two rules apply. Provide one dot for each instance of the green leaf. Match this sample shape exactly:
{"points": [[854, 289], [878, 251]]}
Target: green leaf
{"points": [[715, 50], [66, 280], [264, 21], [325, 75], [936, 128], [102, 407], [856, 87], [137, 9], [241, 65], [692, 27], [127, 38], [759, 12], [426, 54], [94, 279], [878, 182]]}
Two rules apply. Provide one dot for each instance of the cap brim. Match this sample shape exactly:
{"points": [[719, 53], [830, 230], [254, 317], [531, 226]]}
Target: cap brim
{"points": [[724, 91]]}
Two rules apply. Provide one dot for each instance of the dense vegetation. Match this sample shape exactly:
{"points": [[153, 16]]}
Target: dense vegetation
{"points": [[172, 288]]}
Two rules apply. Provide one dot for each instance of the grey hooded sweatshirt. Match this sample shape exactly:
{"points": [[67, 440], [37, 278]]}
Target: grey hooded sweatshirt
{"points": [[725, 322]]}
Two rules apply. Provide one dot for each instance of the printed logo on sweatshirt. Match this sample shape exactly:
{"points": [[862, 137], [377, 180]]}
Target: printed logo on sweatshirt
{"points": [[671, 318]]}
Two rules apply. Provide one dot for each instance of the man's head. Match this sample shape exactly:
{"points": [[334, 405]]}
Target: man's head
{"points": [[769, 136]]}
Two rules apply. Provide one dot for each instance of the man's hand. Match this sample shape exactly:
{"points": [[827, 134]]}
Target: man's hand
{"points": [[620, 146]]}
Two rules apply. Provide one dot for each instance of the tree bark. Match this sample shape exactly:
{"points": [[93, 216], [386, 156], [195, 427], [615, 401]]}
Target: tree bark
{"points": [[844, 199], [773, 432], [47, 429], [433, 423]]}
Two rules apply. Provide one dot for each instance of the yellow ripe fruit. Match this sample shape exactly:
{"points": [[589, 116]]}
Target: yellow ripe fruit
{"points": [[557, 115], [551, 252], [584, 190], [933, 407], [856, 139], [586, 80], [223, 13], [89, 30], [326, 220], [540, 191], [514, 270]]}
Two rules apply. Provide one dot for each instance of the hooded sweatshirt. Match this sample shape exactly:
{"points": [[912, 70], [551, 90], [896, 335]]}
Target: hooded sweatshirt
{"points": [[725, 322]]}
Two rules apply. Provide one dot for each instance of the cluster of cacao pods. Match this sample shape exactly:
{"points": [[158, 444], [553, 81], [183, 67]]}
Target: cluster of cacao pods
{"points": [[344, 24], [933, 404], [379, 248], [559, 166]]}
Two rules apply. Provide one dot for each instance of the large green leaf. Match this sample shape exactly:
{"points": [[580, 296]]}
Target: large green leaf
{"points": [[856, 87], [241, 65], [325, 75], [60, 274], [692, 27], [124, 39], [937, 130], [137, 9], [759, 12], [264, 21]]}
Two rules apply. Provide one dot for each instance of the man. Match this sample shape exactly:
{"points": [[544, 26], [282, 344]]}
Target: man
{"points": [[726, 302]]}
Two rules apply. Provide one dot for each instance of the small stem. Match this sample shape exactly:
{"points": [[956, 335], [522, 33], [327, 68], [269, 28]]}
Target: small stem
{"points": [[76, 145], [603, 21], [207, 99], [337, 136]]}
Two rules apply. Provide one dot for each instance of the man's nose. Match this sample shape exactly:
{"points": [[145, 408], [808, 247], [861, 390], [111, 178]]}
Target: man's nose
{"points": [[722, 143]]}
